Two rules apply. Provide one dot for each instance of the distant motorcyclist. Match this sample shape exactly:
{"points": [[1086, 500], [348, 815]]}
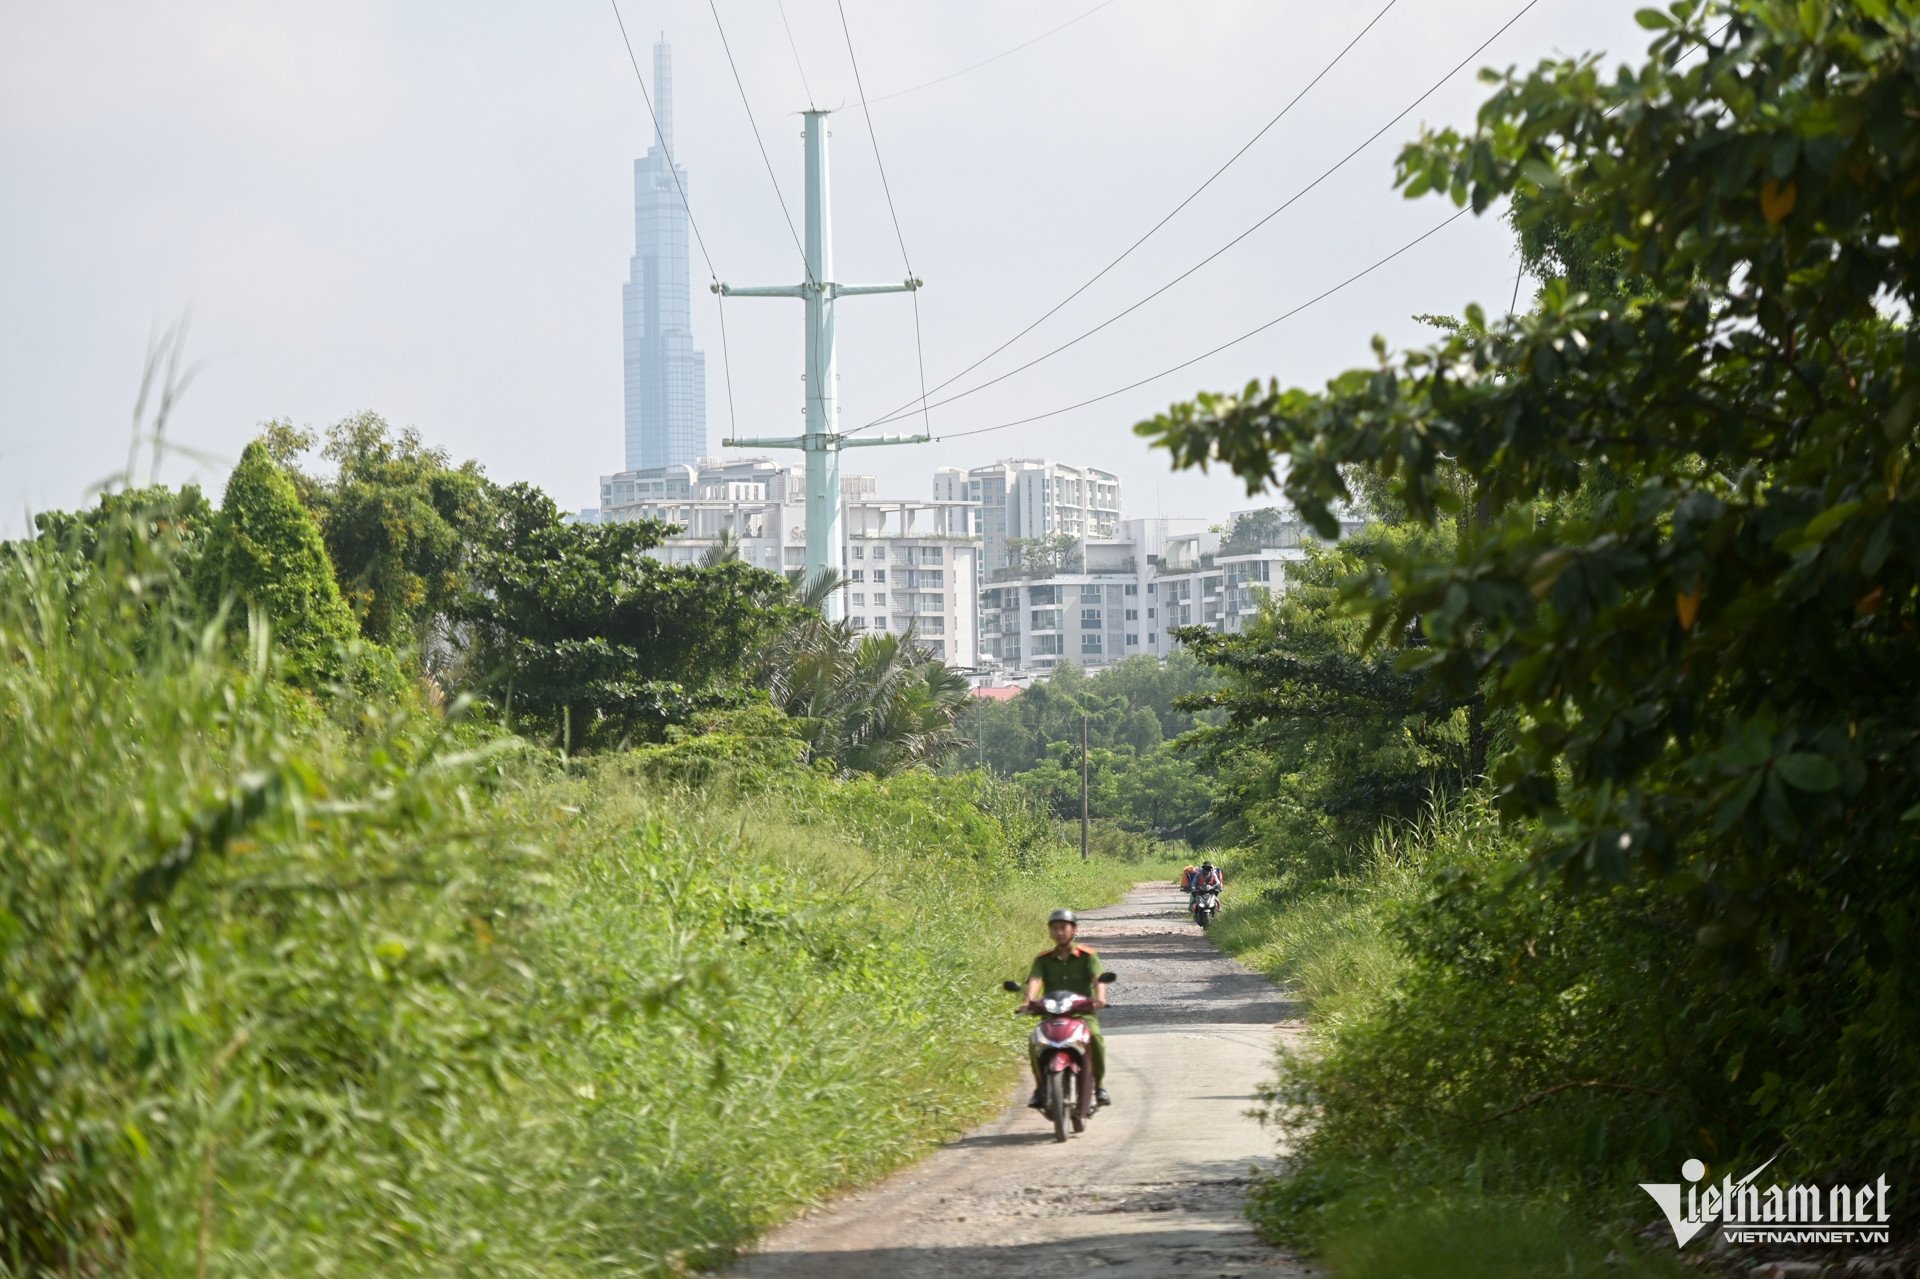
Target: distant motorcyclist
{"points": [[1207, 879], [1076, 968], [1187, 877]]}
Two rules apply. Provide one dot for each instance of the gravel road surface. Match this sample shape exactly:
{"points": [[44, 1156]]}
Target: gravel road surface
{"points": [[1152, 1188]]}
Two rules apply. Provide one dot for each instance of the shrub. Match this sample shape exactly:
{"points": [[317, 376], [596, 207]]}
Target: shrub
{"points": [[283, 993], [265, 551]]}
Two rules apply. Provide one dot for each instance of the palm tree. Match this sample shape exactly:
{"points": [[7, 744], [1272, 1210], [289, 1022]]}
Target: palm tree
{"points": [[725, 549], [870, 703]]}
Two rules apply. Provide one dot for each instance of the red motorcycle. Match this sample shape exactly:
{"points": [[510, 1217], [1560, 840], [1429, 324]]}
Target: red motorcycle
{"points": [[1061, 1044]]}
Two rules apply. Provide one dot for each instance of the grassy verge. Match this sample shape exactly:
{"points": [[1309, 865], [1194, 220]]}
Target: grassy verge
{"points": [[1450, 1003], [303, 986]]}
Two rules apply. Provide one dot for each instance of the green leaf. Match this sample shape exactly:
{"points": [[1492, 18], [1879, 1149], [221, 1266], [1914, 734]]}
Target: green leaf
{"points": [[1653, 20], [1828, 520], [1806, 771]]}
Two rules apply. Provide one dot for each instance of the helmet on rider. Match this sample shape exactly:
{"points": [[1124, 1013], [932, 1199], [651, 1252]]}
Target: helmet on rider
{"points": [[1064, 917], [1206, 865]]}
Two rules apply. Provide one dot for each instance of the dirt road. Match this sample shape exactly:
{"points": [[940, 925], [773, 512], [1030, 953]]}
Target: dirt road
{"points": [[1154, 1186]]}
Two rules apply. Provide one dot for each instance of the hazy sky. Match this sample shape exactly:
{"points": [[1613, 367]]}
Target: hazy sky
{"points": [[426, 210]]}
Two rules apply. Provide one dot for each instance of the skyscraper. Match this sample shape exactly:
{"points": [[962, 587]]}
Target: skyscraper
{"points": [[666, 382]]}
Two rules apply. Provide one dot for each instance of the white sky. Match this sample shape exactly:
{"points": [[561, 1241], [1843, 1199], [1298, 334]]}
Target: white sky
{"points": [[426, 210]]}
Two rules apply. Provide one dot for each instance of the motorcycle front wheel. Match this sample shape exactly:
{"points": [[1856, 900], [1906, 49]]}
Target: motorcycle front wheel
{"points": [[1057, 1103]]}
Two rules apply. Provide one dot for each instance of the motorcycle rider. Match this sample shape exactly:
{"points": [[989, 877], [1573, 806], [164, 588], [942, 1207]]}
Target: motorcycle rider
{"points": [[1187, 876], [1076, 968], [1207, 879]]}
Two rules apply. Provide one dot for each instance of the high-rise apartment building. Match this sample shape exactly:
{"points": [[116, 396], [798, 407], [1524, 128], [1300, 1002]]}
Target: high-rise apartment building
{"points": [[910, 567], [1033, 498], [1127, 594], [666, 379]]}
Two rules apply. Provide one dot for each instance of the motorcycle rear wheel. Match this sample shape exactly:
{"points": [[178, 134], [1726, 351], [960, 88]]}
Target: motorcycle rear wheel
{"points": [[1057, 1103]]}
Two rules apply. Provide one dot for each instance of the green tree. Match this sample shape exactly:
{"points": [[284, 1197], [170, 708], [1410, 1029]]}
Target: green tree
{"points": [[265, 551], [584, 639], [1317, 735], [1713, 667], [1256, 530], [400, 520], [1014, 734], [172, 523], [155, 534], [1055, 553], [868, 703], [1154, 794]]}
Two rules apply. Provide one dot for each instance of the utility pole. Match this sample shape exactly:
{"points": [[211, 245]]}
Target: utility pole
{"points": [[1083, 786], [822, 441]]}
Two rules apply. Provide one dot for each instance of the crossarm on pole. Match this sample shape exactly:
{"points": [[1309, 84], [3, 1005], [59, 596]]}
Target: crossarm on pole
{"points": [[857, 290], [762, 291]]}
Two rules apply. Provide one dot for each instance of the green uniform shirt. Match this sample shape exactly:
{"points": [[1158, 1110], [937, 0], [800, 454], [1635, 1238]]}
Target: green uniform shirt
{"points": [[1076, 972]]}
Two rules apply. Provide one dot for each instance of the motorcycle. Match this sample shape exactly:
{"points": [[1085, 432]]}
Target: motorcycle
{"points": [[1061, 1044], [1206, 904]]}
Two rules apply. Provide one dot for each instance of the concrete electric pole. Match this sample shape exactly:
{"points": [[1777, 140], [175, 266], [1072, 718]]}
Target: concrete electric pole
{"points": [[1083, 787], [822, 441]]}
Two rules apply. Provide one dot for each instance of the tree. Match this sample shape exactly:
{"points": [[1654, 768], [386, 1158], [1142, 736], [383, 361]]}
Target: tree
{"points": [[264, 550], [583, 638], [172, 521], [1256, 530], [1056, 553], [1316, 736], [156, 534], [868, 703], [1130, 710], [400, 521], [1713, 666]]}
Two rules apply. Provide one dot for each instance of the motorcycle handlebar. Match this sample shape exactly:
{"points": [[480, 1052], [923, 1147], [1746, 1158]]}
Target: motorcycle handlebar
{"points": [[1037, 1010]]}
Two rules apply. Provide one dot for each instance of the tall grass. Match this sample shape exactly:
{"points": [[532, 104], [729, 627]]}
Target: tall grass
{"points": [[1483, 1083], [300, 985]]}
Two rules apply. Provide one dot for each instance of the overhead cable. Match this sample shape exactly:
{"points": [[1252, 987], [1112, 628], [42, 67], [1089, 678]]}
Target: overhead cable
{"points": [[914, 290], [1286, 204], [1191, 197], [1285, 315], [726, 364], [805, 266], [901, 93], [1232, 342], [794, 45]]}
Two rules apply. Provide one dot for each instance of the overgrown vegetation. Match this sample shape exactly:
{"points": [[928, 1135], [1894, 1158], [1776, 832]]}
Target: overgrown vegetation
{"points": [[305, 970], [1652, 548], [1130, 712]]}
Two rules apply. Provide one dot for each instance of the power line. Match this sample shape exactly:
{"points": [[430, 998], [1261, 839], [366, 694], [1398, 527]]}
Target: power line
{"points": [[1250, 333], [805, 265], [793, 45], [914, 292], [1288, 203], [1285, 315], [665, 149], [901, 93], [726, 363], [1194, 195]]}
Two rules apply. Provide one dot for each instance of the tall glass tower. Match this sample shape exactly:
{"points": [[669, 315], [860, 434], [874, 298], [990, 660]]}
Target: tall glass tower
{"points": [[666, 378]]}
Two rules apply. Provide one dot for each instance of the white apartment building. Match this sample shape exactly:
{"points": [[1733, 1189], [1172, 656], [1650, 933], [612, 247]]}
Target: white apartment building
{"points": [[1032, 498], [912, 563], [1129, 592]]}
